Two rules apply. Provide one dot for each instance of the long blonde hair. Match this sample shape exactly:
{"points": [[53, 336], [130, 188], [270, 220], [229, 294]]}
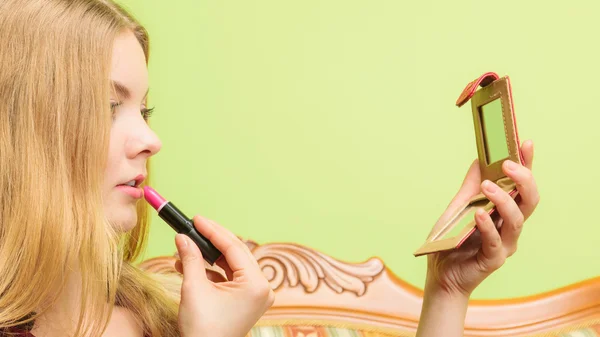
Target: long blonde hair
{"points": [[55, 58]]}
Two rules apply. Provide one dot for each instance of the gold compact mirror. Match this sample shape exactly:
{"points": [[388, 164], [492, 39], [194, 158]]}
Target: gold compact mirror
{"points": [[497, 141]]}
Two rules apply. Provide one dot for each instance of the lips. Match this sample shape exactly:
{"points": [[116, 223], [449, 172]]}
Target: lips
{"points": [[132, 187], [135, 182]]}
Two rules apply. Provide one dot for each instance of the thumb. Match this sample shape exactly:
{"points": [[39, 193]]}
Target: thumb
{"points": [[472, 179], [469, 187], [527, 151], [191, 261]]}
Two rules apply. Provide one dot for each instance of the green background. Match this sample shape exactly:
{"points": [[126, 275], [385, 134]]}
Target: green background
{"points": [[332, 123]]}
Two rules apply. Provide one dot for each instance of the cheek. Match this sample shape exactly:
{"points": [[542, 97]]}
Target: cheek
{"points": [[115, 153]]}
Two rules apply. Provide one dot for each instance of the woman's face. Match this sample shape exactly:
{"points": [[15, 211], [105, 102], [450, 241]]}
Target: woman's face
{"points": [[132, 141]]}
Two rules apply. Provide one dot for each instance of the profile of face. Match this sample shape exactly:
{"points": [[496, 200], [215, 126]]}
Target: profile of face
{"points": [[132, 142]]}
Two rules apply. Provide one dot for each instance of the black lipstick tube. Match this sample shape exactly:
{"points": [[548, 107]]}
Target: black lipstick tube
{"points": [[183, 225]]}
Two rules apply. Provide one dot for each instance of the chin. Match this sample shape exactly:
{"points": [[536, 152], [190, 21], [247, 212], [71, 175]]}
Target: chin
{"points": [[126, 226], [125, 221]]}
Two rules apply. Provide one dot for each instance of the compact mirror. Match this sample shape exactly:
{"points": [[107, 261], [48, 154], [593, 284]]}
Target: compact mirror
{"points": [[497, 141]]}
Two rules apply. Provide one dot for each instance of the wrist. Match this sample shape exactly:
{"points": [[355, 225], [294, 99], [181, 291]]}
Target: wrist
{"points": [[443, 313], [440, 296], [439, 292]]}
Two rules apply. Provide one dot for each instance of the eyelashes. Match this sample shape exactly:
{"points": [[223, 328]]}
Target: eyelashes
{"points": [[146, 113], [113, 106]]}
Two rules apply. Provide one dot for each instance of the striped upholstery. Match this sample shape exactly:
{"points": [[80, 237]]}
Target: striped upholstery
{"points": [[593, 331], [329, 331], [313, 331]]}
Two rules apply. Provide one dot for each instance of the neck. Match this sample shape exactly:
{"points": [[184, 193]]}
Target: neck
{"points": [[61, 317], [62, 312]]}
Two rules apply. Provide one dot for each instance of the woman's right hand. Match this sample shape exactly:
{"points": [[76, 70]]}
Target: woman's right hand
{"points": [[220, 309]]}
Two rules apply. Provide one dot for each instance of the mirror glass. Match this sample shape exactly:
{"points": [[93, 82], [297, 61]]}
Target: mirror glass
{"points": [[465, 217], [494, 137]]}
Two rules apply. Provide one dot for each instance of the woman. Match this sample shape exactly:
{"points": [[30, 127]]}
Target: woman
{"points": [[452, 277], [73, 136]]}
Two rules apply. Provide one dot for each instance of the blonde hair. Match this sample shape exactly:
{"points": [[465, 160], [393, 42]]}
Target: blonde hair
{"points": [[55, 58]]}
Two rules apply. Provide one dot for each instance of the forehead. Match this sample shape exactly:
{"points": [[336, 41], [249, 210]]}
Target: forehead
{"points": [[128, 65]]}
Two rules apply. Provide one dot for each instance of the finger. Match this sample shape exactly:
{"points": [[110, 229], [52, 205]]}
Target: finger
{"points": [[233, 237], [511, 215], [191, 260], [179, 267], [491, 255], [225, 231], [232, 249], [527, 151], [526, 185], [223, 264]]}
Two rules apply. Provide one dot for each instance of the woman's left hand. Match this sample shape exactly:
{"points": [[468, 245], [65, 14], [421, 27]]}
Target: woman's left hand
{"points": [[460, 271]]}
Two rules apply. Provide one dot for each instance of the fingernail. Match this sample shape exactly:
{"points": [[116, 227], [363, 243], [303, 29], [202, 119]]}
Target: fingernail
{"points": [[480, 213], [511, 165], [490, 187]]}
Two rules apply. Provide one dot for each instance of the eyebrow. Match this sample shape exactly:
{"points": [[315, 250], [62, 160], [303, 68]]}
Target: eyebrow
{"points": [[123, 92]]}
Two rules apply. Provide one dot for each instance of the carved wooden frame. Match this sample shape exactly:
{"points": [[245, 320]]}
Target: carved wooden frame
{"points": [[314, 288]]}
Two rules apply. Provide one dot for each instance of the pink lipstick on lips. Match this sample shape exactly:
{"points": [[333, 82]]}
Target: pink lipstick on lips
{"points": [[181, 223], [133, 190]]}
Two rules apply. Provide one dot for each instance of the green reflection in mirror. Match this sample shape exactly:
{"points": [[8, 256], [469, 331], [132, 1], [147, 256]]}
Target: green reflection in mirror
{"points": [[467, 216], [494, 137]]}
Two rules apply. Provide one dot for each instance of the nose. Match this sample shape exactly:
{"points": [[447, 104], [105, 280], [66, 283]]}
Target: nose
{"points": [[144, 142]]}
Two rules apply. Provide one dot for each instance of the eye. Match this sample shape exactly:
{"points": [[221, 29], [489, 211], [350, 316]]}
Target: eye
{"points": [[113, 106], [147, 113]]}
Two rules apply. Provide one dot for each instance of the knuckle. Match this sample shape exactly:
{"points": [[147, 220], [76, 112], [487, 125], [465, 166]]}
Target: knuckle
{"points": [[496, 242], [189, 258], [497, 263], [503, 199], [187, 285], [527, 174], [262, 292], [518, 223], [507, 198]]}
